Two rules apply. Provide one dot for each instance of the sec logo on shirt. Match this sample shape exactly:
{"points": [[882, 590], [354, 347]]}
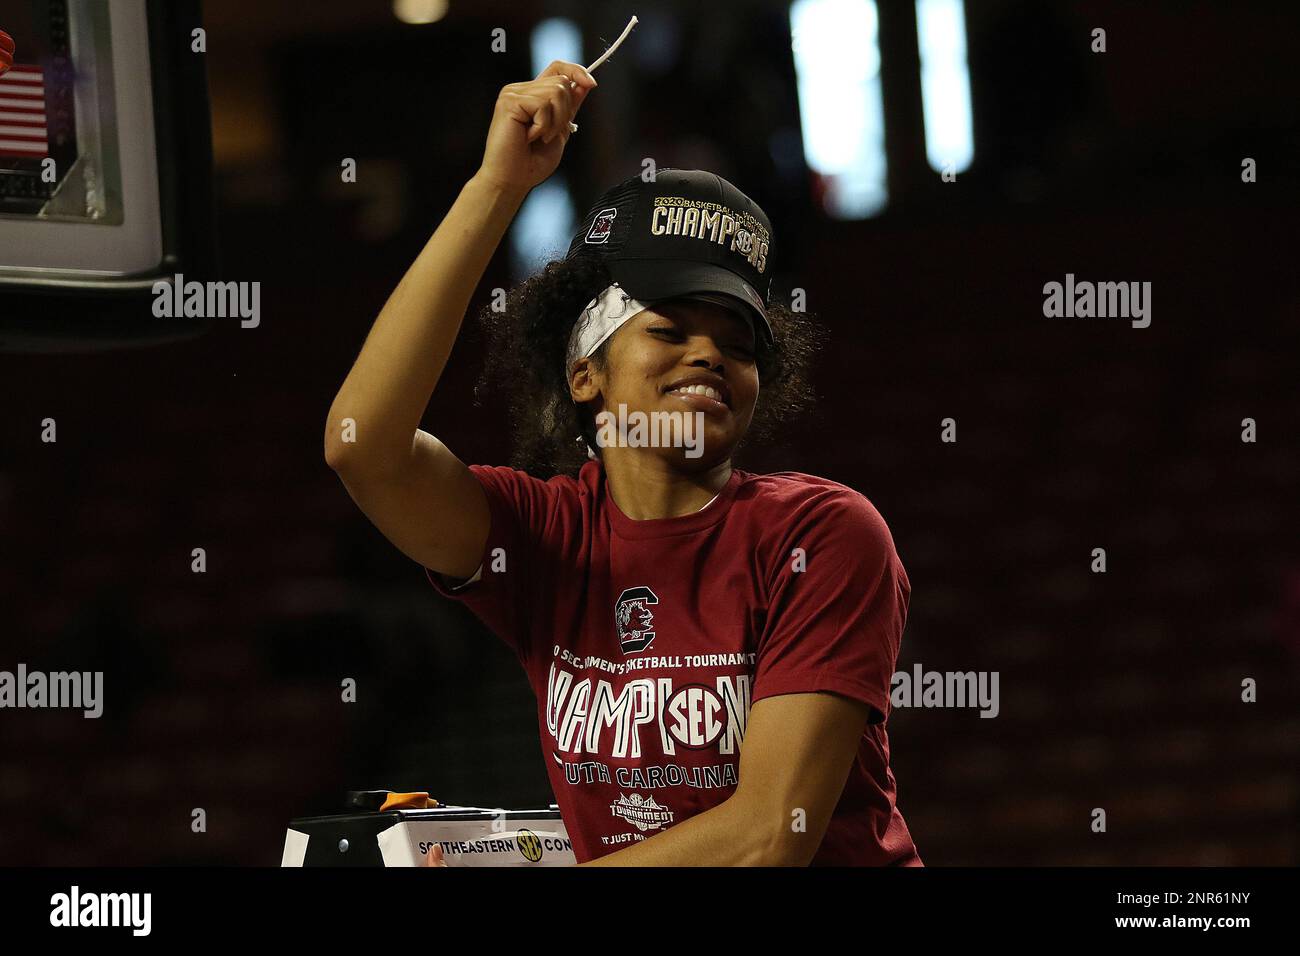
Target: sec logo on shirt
{"points": [[694, 716]]}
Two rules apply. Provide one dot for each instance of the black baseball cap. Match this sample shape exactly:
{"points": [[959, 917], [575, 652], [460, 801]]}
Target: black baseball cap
{"points": [[687, 234]]}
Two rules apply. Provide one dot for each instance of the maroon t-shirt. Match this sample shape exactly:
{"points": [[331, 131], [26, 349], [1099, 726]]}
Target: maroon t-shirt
{"points": [[646, 642]]}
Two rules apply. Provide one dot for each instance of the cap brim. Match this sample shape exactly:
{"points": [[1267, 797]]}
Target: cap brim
{"points": [[652, 279]]}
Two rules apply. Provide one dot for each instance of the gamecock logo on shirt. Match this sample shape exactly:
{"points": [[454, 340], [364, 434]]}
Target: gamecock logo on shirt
{"points": [[634, 620]]}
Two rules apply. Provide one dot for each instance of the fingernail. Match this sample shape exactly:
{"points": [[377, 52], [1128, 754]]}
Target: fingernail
{"points": [[590, 77]]}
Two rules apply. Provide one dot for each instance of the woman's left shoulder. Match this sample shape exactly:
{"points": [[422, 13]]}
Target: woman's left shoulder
{"points": [[799, 487], [804, 497]]}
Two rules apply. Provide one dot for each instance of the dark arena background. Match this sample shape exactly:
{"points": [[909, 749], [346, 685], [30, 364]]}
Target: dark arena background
{"points": [[1102, 512]]}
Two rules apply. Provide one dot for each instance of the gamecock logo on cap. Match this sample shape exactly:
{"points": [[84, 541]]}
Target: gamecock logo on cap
{"points": [[601, 228]]}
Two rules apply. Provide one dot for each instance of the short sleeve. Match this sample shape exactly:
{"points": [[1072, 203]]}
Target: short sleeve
{"points": [[521, 508], [836, 625]]}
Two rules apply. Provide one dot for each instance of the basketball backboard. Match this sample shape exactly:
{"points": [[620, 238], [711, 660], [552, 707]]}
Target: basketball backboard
{"points": [[105, 148]]}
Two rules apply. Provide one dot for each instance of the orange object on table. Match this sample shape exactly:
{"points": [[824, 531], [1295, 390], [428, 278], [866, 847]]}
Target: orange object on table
{"points": [[408, 801]]}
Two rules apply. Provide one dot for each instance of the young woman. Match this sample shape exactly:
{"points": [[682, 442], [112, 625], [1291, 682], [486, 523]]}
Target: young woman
{"points": [[711, 649]]}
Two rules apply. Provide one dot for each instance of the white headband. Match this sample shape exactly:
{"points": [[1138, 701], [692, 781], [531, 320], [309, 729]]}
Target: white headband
{"points": [[602, 317]]}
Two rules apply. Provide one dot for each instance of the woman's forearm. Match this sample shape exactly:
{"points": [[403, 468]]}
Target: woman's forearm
{"points": [[386, 392]]}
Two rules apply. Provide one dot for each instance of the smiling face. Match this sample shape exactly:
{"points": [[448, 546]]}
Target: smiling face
{"points": [[680, 356]]}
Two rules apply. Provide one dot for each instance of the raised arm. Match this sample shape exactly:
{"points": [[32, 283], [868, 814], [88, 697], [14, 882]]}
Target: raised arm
{"points": [[419, 494]]}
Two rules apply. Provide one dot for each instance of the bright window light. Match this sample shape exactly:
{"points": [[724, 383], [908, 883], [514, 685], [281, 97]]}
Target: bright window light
{"points": [[545, 223], [945, 84], [842, 113], [419, 11], [543, 228], [556, 39]]}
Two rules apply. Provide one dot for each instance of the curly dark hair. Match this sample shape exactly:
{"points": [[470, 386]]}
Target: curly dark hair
{"points": [[526, 344]]}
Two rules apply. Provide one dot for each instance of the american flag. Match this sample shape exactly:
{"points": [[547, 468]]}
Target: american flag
{"points": [[22, 113]]}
